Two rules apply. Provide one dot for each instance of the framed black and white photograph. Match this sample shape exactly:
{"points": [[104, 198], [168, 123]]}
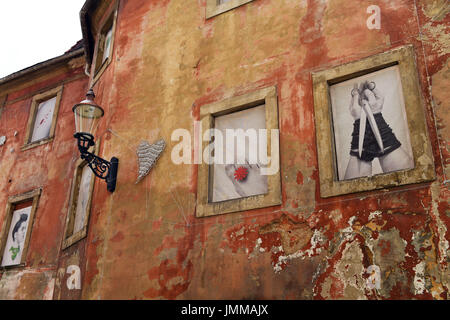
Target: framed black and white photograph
{"points": [[243, 179], [15, 242], [80, 202], [370, 124], [17, 227], [240, 178], [42, 119]]}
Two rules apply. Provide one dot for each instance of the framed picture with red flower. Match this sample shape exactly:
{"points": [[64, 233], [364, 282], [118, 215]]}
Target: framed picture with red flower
{"points": [[240, 168]]}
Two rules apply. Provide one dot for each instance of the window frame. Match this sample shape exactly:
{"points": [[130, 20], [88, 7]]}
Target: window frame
{"points": [[424, 169], [205, 208], [32, 196], [36, 100], [69, 237], [100, 66], [213, 8]]}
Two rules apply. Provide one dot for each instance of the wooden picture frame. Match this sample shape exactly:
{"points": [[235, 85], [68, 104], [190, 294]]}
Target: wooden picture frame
{"points": [[70, 235], [423, 170], [37, 99], [109, 24], [13, 201], [214, 7], [205, 208]]}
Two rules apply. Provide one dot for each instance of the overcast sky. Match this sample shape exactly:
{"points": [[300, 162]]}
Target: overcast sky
{"points": [[32, 31]]}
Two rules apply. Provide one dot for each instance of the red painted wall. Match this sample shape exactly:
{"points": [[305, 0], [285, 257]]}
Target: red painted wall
{"points": [[49, 167], [144, 241]]}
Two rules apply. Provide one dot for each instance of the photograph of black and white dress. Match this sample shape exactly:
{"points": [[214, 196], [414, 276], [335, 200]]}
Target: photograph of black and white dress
{"points": [[370, 125]]}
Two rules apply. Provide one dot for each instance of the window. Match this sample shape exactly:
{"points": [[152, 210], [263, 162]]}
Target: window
{"points": [[107, 45], [240, 167], [80, 204], [16, 232], [216, 7], [370, 125], [389, 118], [42, 119], [104, 46]]}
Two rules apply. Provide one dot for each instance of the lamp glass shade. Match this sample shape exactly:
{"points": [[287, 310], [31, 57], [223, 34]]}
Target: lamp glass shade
{"points": [[87, 116]]}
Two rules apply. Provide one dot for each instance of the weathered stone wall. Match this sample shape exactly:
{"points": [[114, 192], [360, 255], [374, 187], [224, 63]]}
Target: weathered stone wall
{"points": [[144, 241]]}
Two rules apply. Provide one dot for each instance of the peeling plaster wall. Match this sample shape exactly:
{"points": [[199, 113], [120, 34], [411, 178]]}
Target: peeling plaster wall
{"points": [[144, 240], [49, 166]]}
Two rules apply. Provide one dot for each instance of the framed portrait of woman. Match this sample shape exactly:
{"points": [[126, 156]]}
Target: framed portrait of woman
{"points": [[370, 125], [16, 230]]}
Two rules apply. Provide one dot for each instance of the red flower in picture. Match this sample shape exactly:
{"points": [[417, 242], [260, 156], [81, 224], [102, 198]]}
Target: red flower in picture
{"points": [[240, 173]]}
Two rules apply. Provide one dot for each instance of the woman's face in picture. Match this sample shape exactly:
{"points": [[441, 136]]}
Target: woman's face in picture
{"points": [[20, 235]]}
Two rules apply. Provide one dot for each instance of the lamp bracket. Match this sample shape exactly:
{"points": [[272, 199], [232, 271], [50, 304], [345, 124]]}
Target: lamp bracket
{"points": [[106, 170]]}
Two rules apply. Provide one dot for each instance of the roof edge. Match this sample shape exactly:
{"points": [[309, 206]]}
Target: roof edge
{"points": [[42, 65], [88, 39]]}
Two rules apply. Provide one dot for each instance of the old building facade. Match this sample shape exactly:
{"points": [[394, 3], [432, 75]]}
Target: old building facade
{"points": [[161, 66], [38, 168]]}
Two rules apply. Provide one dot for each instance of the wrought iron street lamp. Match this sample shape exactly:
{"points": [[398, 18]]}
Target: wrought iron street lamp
{"points": [[87, 116]]}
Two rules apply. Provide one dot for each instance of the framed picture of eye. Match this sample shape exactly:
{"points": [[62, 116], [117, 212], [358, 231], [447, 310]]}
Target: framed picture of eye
{"points": [[42, 119], [17, 228], [370, 125]]}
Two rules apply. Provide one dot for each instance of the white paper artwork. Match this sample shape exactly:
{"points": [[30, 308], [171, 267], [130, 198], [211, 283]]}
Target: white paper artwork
{"points": [[107, 47], [83, 198], [43, 120], [381, 144], [12, 254], [226, 183]]}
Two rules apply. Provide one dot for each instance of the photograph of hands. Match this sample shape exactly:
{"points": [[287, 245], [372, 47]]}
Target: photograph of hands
{"points": [[241, 178], [370, 126]]}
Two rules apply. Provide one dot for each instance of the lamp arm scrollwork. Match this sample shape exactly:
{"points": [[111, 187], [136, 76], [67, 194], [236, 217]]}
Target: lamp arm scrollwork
{"points": [[106, 170], [99, 166]]}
